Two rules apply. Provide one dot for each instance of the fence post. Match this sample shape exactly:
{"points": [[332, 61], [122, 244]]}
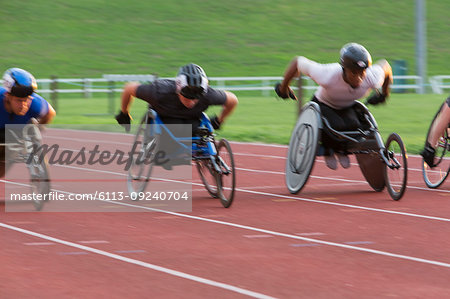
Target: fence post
{"points": [[420, 83], [54, 92], [265, 92], [111, 97], [221, 84], [87, 85]]}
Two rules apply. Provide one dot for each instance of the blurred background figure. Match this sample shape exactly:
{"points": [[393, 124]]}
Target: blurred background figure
{"points": [[440, 125], [20, 104]]}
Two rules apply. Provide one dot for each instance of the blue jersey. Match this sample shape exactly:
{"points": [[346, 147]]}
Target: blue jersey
{"points": [[38, 108]]}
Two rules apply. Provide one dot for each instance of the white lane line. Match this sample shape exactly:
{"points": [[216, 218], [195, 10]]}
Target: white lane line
{"points": [[257, 144], [305, 245], [130, 251], [310, 234], [139, 263], [264, 231], [338, 179], [73, 253], [94, 242], [274, 194], [39, 243], [317, 160], [297, 237], [348, 205], [379, 252], [270, 194], [21, 222], [257, 236], [358, 242]]}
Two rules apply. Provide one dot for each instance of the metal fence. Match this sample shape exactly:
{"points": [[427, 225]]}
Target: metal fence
{"points": [[114, 83]]}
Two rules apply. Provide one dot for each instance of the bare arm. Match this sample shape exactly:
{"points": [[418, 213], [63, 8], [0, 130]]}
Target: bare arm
{"points": [[291, 72], [229, 106], [388, 79], [49, 116], [129, 92]]}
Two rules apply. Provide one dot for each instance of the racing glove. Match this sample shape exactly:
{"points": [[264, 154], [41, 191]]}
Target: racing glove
{"points": [[376, 99], [124, 119], [428, 154], [215, 122], [283, 95]]}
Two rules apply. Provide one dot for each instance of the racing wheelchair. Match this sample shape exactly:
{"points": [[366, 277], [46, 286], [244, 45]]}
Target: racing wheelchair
{"points": [[213, 159], [435, 176], [23, 145], [381, 164]]}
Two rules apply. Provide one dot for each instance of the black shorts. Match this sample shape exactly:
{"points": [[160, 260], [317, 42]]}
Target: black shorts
{"points": [[346, 119]]}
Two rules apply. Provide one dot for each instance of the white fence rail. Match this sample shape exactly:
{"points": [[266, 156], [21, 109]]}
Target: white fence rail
{"points": [[114, 83], [439, 83]]}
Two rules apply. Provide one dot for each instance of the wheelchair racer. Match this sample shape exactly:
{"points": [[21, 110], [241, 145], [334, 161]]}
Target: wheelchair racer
{"points": [[429, 151], [19, 104], [179, 101], [340, 85]]}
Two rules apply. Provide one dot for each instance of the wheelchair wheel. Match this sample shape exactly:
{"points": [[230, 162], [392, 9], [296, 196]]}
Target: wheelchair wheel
{"points": [[208, 176], [146, 145], [39, 179], [302, 148], [396, 173], [434, 177], [227, 175], [37, 164]]}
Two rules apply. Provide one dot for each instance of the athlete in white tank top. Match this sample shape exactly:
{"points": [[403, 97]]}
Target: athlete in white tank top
{"points": [[340, 84]]}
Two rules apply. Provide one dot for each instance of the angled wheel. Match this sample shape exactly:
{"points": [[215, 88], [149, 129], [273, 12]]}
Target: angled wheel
{"points": [[227, 174], [435, 176], [302, 148], [208, 176], [396, 172], [145, 144], [37, 165], [39, 180]]}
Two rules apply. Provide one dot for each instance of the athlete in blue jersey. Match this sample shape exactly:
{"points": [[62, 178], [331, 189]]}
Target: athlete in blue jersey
{"points": [[19, 104]]}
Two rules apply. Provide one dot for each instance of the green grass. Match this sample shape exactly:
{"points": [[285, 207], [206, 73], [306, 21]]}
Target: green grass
{"points": [[88, 38], [270, 120]]}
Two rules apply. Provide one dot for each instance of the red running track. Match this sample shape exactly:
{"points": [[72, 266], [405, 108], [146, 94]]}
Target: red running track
{"points": [[337, 238]]}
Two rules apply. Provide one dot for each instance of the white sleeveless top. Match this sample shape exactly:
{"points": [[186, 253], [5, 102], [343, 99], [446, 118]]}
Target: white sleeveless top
{"points": [[333, 90]]}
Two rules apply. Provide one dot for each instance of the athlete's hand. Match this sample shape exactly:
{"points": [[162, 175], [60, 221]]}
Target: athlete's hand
{"points": [[376, 99], [35, 122], [284, 95], [215, 122], [124, 119], [428, 154]]}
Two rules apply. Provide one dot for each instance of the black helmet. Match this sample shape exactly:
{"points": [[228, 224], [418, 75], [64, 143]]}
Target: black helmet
{"points": [[355, 57], [192, 81], [19, 82]]}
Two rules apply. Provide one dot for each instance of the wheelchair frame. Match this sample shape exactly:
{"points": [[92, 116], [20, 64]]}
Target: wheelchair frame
{"points": [[376, 159], [204, 151], [21, 151], [435, 176]]}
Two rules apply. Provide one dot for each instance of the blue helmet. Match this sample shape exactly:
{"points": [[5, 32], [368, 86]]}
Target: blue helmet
{"points": [[19, 82]]}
